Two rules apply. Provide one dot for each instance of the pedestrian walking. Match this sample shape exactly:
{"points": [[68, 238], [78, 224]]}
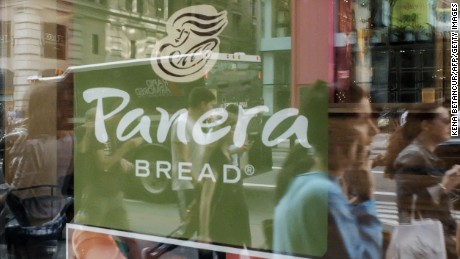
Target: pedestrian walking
{"points": [[315, 214]]}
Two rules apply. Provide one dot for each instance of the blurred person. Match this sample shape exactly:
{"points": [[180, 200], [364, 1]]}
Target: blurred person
{"points": [[224, 214], [101, 195], [36, 155], [100, 192], [316, 214], [396, 119], [201, 100], [239, 154], [423, 185], [11, 116], [65, 162], [188, 157]]}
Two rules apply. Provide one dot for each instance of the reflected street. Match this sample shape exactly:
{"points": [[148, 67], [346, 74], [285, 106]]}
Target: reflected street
{"points": [[259, 191]]}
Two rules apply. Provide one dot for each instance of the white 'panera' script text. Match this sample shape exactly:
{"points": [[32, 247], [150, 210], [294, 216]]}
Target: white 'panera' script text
{"points": [[130, 118]]}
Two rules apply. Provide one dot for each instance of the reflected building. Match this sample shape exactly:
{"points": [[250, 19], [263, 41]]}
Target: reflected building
{"points": [[408, 47], [396, 49], [276, 53], [43, 38]]}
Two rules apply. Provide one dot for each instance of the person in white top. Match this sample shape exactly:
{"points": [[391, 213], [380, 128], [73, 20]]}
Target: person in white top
{"points": [[188, 157]]}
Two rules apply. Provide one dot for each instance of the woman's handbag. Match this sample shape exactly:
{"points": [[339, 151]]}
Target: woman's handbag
{"points": [[419, 239]]}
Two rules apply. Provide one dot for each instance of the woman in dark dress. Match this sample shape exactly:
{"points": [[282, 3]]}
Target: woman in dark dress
{"points": [[224, 216]]}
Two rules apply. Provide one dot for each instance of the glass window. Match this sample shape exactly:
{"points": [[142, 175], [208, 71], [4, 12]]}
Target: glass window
{"points": [[7, 39], [133, 49], [129, 5], [140, 6], [227, 128], [253, 6], [236, 22], [159, 8], [281, 18], [54, 39], [95, 44]]}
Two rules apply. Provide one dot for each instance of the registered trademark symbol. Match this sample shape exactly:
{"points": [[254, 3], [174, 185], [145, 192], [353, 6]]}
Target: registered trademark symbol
{"points": [[249, 170]]}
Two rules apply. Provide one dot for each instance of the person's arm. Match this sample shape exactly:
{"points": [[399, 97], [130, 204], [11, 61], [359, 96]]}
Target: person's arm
{"points": [[359, 228], [414, 164], [239, 150], [28, 167], [359, 181], [357, 224], [107, 162], [451, 179], [415, 173]]}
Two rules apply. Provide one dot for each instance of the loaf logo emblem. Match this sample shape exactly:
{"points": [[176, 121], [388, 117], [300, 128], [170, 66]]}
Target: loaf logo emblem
{"points": [[184, 55]]}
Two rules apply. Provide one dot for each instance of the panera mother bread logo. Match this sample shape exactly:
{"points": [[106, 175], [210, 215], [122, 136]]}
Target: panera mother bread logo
{"points": [[184, 55]]}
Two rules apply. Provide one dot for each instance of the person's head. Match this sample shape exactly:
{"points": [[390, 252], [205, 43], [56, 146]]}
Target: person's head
{"points": [[340, 134], [233, 108], [201, 100], [226, 140], [351, 131], [428, 121]]}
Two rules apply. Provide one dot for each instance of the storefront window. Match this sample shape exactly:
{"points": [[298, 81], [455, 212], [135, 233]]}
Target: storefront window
{"points": [[281, 18], [54, 38], [220, 129], [6, 39]]}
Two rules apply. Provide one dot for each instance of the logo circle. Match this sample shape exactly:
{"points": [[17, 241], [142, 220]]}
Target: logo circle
{"points": [[249, 170]]}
